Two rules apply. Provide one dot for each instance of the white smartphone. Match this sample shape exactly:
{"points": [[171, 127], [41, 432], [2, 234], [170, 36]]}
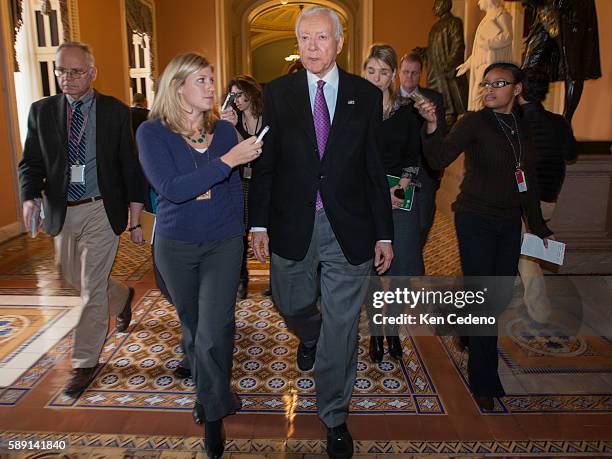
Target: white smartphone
{"points": [[262, 133]]}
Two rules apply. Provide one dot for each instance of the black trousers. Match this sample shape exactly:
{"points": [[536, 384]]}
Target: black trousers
{"points": [[488, 246]]}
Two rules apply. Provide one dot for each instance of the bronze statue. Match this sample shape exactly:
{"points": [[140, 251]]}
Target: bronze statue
{"points": [[445, 51], [564, 40]]}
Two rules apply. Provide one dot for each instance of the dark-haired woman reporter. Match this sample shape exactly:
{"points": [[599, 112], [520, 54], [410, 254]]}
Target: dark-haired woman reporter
{"points": [[190, 157], [493, 196]]}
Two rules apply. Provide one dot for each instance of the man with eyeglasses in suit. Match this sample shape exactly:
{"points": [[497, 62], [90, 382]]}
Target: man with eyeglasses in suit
{"points": [[79, 159]]}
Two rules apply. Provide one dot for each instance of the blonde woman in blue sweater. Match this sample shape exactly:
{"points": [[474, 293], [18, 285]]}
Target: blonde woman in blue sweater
{"points": [[190, 157]]}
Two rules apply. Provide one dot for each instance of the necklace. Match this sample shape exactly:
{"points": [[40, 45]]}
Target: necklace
{"points": [[512, 129], [207, 194], [246, 126], [201, 139], [520, 154]]}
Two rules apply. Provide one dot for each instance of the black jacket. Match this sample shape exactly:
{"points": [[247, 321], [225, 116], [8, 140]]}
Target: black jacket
{"points": [[44, 170], [554, 144], [350, 176]]}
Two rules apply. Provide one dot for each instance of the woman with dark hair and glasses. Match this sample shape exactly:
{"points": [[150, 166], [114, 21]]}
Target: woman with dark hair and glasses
{"points": [[499, 186], [248, 102]]}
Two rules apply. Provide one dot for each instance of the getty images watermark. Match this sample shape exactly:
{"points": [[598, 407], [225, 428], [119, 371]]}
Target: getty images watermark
{"points": [[390, 306]]}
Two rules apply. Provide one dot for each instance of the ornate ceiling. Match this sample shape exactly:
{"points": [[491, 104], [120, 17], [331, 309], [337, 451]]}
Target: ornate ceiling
{"points": [[278, 22]]}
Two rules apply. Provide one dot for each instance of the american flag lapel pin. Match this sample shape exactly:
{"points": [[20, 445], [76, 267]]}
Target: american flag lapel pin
{"points": [[351, 102]]}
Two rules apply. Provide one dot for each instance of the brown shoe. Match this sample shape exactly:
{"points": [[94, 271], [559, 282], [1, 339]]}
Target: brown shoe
{"points": [[79, 380], [125, 317]]}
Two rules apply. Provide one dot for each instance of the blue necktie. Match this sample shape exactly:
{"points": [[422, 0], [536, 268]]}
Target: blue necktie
{"points": [[76, 149]]}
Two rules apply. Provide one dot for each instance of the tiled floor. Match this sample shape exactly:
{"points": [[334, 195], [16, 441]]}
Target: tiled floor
{"points": [[419, 407]]}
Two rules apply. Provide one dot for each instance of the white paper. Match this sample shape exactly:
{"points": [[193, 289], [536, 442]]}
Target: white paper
{"points": [[533, 246]]}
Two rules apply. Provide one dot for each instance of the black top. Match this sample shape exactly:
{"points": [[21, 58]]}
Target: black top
{"points": [[401, 142], [245, 135], [489, 185], [554, 144], [242, 131]]}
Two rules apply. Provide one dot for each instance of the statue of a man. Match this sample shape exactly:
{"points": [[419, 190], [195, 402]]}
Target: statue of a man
{"points": [[445, 51], [492, 43], [564, 41]]}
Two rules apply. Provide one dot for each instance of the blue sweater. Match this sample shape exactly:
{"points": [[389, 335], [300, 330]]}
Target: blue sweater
{"points": [[170, 166]]}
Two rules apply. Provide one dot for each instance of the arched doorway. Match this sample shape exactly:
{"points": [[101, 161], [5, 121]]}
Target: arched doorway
{"points": [[272, 47], [236, 43]]}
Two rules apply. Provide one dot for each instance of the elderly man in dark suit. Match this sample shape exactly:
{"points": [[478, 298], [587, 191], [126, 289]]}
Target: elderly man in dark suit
{"points": [[411, 66], [319, 192], [79, 157]]}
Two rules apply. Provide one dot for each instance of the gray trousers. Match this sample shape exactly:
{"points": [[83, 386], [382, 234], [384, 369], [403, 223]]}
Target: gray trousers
{"points": [[334, 328], [202, 279]]}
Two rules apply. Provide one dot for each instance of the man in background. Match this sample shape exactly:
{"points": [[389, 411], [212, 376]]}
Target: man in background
{"points": [[411, 67]]}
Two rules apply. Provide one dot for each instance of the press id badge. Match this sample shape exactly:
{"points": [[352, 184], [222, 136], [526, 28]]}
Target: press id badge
{"points": [[77, 173], [520, 180]]}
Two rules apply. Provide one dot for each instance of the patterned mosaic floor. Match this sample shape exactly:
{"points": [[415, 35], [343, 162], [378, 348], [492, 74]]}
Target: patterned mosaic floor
{"points": [[419, 407], [25, 258], [129, 446], [138, 369]]}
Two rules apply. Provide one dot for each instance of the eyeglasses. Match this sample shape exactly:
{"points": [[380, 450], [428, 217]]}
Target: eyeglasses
{"points": [[72, 73], [495, 84]]}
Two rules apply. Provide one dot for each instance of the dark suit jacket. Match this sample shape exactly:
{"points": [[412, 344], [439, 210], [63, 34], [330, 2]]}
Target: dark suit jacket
{"points": [[44, 168], [350, 176]]}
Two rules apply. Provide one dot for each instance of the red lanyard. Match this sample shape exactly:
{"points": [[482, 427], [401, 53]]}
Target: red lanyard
{"points": [[80, 136]]}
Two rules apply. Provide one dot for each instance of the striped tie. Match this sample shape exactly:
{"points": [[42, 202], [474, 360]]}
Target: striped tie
{"points": [[76, 151]]}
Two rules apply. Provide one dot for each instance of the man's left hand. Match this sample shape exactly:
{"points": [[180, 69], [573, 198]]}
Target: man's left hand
{"points": [[383, 255]]}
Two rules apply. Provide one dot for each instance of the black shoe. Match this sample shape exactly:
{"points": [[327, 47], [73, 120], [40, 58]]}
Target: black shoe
{"points": [[241, 294], [197, 413], [306, 357], [79, 380], [267, 292], [485, 402], [395, 347], [124, 318], [339, 442], [377, 349], [214, 439], [181, 372]]}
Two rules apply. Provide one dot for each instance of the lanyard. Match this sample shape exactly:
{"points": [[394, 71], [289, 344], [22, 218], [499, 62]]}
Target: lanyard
{"points": [[80, 135], [517, 164]]}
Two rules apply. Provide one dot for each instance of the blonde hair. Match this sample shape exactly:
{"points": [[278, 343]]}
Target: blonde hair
{"points": [[167, 106], [385, 53]]}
